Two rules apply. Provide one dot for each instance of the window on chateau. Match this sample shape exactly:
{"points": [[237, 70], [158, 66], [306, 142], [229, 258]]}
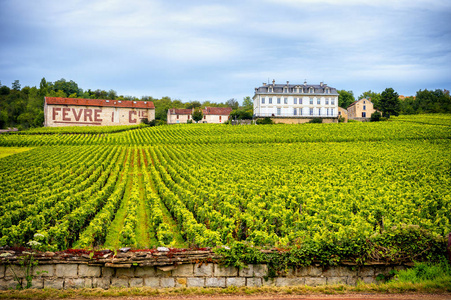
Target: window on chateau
{"points": [[327, 101], [278, 100], [294, 111], [300, 100], [318, 101], [311, 100], [285, 100], [285, 90], [319, 111], [327, 111], [300, 111], [270, 100], [311, 111], [278, 111], [295, 101], [263, 100], [332, 101], [331, 111]]}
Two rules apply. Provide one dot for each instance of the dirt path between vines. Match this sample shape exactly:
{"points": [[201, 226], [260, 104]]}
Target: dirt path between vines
{"points": [[283, 297]]}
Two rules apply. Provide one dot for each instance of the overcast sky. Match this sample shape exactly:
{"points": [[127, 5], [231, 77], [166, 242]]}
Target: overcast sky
{"points": [[217, 50]]}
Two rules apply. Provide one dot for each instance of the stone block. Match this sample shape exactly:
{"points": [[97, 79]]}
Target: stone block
{"points": [[366, 271], [352, 280], [181, 282], [221, 271], [260, 270], [337, 280], [14, 269], [247, 272], [37, 283], [268, 282], [254, 281], [185, 270], [286, 281], [339, 272], [195, 282], [235, 281], [119, 282], [145, 272], [309, 271], [88, 271], [136, 282], [107, 272], [153, 282], [161, 273], [215, 282], [103, 283], [125, 272], [66, 270], [167, 282], [315, 281], [7, 284], [2, 271], [368, 279], [205, 270], [74, 283], [57, 283], [44, 271]]}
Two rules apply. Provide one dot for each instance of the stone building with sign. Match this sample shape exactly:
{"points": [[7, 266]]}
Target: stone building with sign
{"points": [[95, 112], [361, 110]]}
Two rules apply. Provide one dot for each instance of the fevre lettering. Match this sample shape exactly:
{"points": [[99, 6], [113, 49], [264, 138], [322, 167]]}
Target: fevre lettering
{"points": [[75, 114]]}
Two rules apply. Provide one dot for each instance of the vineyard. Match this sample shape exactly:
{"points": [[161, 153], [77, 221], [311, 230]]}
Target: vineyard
{"points": [[331, 189]]}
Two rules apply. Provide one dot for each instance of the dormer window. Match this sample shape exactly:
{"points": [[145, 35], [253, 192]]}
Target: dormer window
{"points": [[285, 90], [327, 91], [311, 91]]}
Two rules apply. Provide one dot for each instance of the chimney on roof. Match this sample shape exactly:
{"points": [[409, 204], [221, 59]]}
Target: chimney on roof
{"points": [[273, 81], [264, 83], [305, 82], [321, 84], [288, 82]]}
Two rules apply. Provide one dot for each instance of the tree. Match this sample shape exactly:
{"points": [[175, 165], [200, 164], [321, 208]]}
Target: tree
{"points": [[389, 103], [373, 97], [233, 103], [197, 115], [16, 85], [248, 104], [192, 104], [375, 116], [345, 98]]}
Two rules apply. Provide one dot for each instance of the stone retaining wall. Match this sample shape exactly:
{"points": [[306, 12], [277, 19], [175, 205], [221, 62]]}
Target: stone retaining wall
{"points": [[81, 275]]}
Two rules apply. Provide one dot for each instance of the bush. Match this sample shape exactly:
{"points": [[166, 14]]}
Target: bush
{"points": [[341, 119], [425, 272], [316, 120], [189, 122], [265, 121], [375, 117]]}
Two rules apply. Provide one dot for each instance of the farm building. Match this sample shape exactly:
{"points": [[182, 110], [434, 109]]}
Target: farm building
{"points": [[361, 110], [91, 112], [210, 115], [296, 103], [179, 115]]}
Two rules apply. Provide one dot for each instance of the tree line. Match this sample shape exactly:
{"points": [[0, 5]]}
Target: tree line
{"points": [[24, 107], [425, 101]]}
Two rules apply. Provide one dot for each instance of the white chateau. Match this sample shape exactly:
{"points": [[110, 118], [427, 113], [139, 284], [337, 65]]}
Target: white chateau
{"points": [[295, 102]]}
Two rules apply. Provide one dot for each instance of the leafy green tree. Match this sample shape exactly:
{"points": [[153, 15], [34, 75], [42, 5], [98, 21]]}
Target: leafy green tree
{"points": [[375, 116], [437, 101], [197, 115], [389, 103], [248, 104], [345, 98], [233, 103], [193, 104], [16, 85], [372, 96]]}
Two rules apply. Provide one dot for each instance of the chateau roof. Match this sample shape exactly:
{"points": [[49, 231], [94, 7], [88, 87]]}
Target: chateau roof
{"points": [[355, 102], [279, 89], [98, 102]]}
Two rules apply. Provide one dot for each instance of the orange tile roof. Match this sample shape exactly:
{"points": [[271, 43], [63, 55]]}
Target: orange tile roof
{"points": [[98, 102], [223, 111]]}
